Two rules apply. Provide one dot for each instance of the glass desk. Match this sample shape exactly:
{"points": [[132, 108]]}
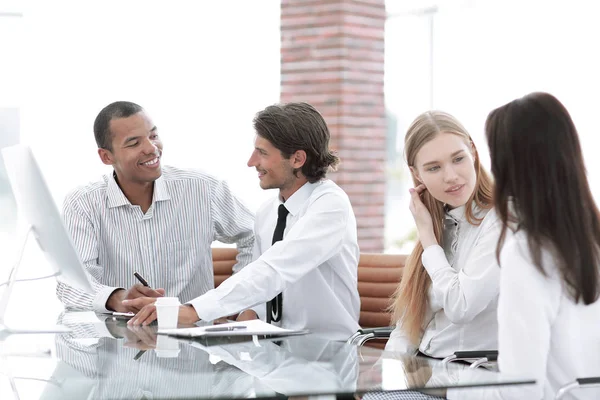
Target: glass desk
{"points": [[102, 358]]}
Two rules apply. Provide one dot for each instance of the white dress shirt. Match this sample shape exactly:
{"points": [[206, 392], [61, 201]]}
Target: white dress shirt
{"points": [[315, 265], [169, 245], [543, 334], [463, 296]]}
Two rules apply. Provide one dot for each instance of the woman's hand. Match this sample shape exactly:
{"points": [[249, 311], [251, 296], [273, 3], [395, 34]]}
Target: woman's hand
{"points": [[422, 217]]}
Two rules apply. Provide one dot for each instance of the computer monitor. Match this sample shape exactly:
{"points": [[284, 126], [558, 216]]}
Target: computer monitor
{"points": [[40, 214]]}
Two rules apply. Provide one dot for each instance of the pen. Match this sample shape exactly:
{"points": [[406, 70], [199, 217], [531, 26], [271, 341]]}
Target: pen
{"points": [[139, 354], [142, 280], [224, 328], [123, 314]]}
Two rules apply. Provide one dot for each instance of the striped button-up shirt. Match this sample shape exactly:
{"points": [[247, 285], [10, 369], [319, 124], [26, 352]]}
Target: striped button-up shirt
{"points": [[169, 245]]}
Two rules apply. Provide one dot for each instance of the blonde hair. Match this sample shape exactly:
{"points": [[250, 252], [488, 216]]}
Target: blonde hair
{"points": [[411, 297]]}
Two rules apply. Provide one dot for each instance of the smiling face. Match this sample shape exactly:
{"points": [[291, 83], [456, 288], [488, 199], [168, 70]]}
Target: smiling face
{"points": [[445, 165], [274, 171], [136, 150]]}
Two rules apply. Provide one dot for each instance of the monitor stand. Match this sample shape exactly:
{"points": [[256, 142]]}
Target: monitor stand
{"points": [[5, 330]]}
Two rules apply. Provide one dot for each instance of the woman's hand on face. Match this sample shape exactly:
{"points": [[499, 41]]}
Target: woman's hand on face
{"points": [[422, 216]]}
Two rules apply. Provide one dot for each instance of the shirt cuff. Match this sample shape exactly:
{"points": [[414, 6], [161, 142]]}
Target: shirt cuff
{"points": [[207, 306], [99, 302], [434, 259]]}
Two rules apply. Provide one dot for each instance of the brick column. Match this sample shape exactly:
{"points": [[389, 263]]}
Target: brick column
{"points": [[332, 57]]}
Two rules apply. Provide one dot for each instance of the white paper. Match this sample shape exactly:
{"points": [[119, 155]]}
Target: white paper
{"points": [[253, 327]]}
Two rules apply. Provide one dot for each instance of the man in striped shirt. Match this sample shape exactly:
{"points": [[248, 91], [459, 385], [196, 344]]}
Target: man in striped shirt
{"points": [[156, 220]]}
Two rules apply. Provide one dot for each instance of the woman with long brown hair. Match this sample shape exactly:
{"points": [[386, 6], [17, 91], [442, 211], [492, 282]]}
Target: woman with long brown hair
{"points": [[448, 295], [549, 308]]}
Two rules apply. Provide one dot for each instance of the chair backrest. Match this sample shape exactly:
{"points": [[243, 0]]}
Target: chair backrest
{"points": [[223, 262], [378, 277]]}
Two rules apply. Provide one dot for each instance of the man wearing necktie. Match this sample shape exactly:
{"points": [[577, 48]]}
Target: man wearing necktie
{"points": [[305, 251], [275, 306]]}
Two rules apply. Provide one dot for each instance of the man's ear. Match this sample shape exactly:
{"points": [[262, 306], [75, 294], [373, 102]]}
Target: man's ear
{"points": [[106, 156], [415, 174], [298, 159]]}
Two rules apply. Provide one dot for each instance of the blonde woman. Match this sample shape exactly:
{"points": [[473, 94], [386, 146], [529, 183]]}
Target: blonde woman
{"points": [[448, 296]]}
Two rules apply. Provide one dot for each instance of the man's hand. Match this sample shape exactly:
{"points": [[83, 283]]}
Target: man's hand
{"points": [[187, 315], [247, 315], [140, 337], [115, 301], [136, 305]]}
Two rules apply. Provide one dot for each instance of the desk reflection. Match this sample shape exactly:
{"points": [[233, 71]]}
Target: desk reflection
{"points": [[103, 358], [294, 366], [109, 360], [127, 365]]}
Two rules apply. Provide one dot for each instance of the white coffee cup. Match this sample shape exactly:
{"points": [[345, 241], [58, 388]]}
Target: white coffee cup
{"points": [[167, 311], [166, 347]]}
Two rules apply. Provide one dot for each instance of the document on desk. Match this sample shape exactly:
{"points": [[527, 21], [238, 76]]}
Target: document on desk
{"points": [[242, 328]]}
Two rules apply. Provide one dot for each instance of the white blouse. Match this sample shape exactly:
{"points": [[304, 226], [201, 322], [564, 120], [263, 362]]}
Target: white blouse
{"points": [[543, 334], [463, 296]]}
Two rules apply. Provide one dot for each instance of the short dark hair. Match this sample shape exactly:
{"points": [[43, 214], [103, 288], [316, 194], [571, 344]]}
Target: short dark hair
{"points": [[298, 126], [538, 167], [118, 109]]}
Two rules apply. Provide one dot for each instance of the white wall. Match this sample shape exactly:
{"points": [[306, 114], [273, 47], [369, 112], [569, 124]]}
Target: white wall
{"points": [[201, 69], [489, 52], [495, 52]]}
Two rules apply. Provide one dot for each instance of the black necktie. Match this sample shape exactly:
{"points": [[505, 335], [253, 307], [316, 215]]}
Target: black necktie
{"points": [[275, 306]]}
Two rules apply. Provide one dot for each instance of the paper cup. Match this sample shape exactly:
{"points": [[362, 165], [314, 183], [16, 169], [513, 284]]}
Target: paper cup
{"points": [[166, 347], [167, 311]]}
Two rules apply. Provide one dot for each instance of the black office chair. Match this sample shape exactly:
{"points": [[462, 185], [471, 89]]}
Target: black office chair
{"points": [[364, 335], [485, 358], [481, 358], [578, 383]]}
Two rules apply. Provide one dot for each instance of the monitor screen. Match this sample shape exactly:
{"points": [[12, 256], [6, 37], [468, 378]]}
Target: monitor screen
{"points": [[37, 207]]}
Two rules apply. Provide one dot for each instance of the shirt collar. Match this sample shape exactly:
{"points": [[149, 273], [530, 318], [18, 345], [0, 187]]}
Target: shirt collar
{"points": [[300, 196], [161, 190], [458, 214], [116, 197]]}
